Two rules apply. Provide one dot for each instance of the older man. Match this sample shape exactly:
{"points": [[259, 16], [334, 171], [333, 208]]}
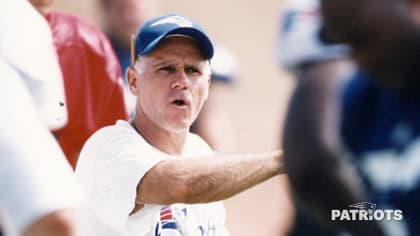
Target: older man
{"points": [[151, 176]]}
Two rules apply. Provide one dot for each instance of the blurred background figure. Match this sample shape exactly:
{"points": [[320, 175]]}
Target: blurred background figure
{"points": [[301, 44], [304, 53], [121, 20], [213, 123], [38, 195], [361, 130], [92, 78]]}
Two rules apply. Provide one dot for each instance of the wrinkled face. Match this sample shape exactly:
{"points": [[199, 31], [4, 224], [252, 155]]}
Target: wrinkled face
{"points": [[171, 84]]}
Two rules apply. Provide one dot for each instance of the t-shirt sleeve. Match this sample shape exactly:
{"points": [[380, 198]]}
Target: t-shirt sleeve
{"points": [[123, 161]]}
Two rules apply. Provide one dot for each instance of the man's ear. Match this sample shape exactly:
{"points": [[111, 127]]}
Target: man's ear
{"points": [[131, 76]]}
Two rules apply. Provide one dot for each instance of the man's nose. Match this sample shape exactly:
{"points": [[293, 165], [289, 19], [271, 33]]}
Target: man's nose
{"points": [[180, 81]]}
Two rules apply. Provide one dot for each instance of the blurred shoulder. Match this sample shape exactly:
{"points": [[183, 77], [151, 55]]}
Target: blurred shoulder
{"points": [[73, 30]]}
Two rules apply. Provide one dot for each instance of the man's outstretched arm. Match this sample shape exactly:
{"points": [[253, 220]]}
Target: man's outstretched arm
{"points": [[207, 179]]}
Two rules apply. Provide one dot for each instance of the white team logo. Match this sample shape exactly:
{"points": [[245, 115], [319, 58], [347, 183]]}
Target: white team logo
{"points": [[365, 211], [182, 22]]}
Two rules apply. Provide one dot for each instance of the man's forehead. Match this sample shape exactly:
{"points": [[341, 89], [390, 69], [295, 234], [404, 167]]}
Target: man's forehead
{"points": [[162, 58]]}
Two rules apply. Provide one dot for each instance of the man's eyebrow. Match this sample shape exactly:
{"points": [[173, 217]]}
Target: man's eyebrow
{"points": [[161, 62], [157, 61], [192, 66]]}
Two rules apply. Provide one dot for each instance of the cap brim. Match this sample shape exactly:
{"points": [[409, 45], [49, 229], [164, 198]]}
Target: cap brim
{"points": [[201, 38]]}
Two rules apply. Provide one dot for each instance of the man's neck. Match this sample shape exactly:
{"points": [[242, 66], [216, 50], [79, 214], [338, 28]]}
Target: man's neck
{"points": [[166, 141]]}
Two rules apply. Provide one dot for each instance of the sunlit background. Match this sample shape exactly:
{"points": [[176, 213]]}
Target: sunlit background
{"points": [[256, 104]]}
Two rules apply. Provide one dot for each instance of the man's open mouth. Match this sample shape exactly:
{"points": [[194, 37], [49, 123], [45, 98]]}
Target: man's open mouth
{"points": [[179, 102]]}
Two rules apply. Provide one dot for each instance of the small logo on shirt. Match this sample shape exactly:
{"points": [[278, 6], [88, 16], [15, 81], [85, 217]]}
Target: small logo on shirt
{"points": [[171, 222]]}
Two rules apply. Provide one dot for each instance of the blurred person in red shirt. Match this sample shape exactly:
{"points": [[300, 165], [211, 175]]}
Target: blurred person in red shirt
{"points": [[92, 78]]}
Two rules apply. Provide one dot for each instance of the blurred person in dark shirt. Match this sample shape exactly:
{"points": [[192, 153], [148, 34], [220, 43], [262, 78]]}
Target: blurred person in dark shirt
{"points": [[361, 132]]}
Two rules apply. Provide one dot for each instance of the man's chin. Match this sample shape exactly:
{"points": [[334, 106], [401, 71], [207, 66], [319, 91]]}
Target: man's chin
{"points": [[179, 126]]}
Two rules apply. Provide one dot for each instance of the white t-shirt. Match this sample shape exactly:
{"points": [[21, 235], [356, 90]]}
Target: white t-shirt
{"points": [[110, 166], [35, 177]]}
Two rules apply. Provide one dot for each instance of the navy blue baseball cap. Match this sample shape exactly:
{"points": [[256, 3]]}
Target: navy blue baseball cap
{"points": [[155, 30]]}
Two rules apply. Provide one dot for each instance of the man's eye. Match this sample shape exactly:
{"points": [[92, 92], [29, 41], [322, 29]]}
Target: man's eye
{"points": [[192, 70], [168, 69]]}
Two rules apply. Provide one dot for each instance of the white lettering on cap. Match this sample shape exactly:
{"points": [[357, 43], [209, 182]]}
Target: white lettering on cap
{"points": [[182, 22]]}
